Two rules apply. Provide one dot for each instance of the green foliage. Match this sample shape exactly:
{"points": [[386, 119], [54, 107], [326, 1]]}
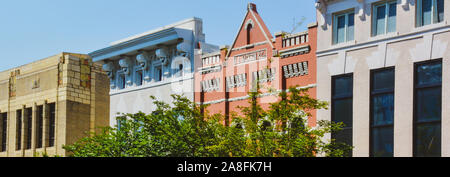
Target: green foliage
{"points": [[184, 129]]}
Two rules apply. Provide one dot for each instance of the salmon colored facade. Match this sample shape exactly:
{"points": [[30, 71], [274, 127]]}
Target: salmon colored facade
{"points": [[225, 78]]}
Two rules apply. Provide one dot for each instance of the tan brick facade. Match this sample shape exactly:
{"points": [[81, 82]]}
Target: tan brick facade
{"points": [[66, 91]]}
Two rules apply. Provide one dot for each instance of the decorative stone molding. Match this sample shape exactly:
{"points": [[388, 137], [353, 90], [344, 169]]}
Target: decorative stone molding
{"points": [[361, 9], [108, 67], [249, 21], [125, 65], [163, 55], [404, 4], [12, 83], [143, 60], [183, 49], [250, 56], [321, 6]]}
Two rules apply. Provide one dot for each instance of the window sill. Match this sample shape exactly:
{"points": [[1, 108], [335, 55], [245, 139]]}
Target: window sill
{"points": [[343, 44], [430, 26], [384, 36]]}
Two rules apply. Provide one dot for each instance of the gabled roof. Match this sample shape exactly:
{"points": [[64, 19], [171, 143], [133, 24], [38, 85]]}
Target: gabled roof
{"points": [[252, 14]]}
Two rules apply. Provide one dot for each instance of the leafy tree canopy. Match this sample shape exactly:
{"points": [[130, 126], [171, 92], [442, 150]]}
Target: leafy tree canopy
{"points": [[185, 129]]}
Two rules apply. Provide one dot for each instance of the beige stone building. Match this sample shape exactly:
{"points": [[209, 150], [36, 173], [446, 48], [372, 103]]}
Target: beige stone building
{"points": [[384, 65], [50, 103]]}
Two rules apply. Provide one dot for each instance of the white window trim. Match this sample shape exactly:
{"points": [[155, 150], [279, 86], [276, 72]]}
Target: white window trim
{"points": [[335, 23], [388, 5], [434, 13]]}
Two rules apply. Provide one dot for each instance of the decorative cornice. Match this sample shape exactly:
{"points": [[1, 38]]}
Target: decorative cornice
{"points": [[171, 32]]}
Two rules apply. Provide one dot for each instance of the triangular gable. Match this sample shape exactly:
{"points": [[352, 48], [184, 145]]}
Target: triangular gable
{"points": [[259, 33]]}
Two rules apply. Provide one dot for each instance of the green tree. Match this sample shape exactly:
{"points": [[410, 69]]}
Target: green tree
{"points": [[183, 129]]}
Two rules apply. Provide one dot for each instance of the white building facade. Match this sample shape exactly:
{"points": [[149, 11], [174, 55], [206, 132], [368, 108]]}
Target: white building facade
{"points": [[384, 66], [156, 63]]}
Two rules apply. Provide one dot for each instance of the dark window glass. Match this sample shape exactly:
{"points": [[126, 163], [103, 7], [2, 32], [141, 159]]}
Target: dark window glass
{"points": [[426, 12], [158, 74], [427, 109], [342, 108], [122, 81], [4, 130], [382, 113], [18, 129], [428, 104], [51, 125], [383, 109], [249, 30], [440, 10], [180, 68], [382, 142], [343, 111], [343, 86], [139, 78], [28, 126], [383, 80], [429, 74], [428, 142], [39, 126]]}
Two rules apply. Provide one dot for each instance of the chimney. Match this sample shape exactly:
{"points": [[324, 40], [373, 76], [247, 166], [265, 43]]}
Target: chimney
{"points": [[252, 7]]}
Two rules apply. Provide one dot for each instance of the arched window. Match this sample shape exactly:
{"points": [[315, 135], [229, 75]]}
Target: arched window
{"points": [[249, 29]]}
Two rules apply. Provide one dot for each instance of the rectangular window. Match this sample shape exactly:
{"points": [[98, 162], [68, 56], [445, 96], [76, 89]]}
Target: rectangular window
{"points": [[39, 126], [122, 81], [3, 130], [427, 108], [51, 124], [139, 78], [19, 129], [158, 73], [382, 113], [429, 11], [384, 18], [28, 127], [343, 27], [342, 107]]}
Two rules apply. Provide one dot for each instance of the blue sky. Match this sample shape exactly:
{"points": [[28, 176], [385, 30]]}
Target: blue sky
{"points": [[34, 29]]}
